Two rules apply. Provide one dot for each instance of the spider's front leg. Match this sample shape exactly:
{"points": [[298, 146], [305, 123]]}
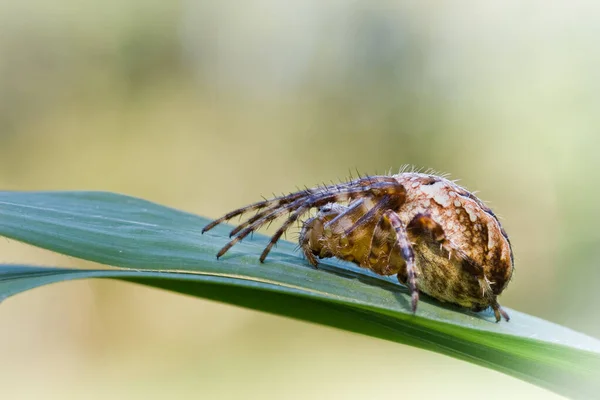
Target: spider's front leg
{"points": [[407, 253]]}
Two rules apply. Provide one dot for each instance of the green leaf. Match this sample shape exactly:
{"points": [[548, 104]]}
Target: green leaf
{"points": [[164, 248]]}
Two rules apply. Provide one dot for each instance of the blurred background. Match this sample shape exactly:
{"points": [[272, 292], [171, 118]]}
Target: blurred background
{"points": [[205, 106]]}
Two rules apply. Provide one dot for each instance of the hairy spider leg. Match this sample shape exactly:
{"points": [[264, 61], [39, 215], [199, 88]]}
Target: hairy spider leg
{"points": [[377, 249], [499, 311], [375, 190], [275, 203], [377, 210], [302, 205], [325, 234], [407, 253], [365, 184], [306, 236], [291, 198], [354, 206]]}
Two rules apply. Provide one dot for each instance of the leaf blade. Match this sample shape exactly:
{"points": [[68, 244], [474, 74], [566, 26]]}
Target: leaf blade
{"points": [[132, 233]]}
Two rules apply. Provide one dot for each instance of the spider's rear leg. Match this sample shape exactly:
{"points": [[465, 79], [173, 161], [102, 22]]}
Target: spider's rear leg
{"points": [[407, 253], [498, 311]]}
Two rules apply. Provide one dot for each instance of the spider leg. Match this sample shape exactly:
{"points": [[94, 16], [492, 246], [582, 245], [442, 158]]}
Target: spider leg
{"points": [[287, 202], [320, 197], [271, 203], [377, 250], [353, 207], [499, 311], [306, 234], [291, 219], [275, 206], [310, 203], [300, 206], [407, 254], [358, 189], [375, 211]]}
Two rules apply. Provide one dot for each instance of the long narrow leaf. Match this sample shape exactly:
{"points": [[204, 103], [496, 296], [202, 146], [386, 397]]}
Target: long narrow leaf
{"points": [[164, 248]]}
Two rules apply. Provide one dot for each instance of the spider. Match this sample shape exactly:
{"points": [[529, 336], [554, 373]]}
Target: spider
{"points": [[437, 237]]}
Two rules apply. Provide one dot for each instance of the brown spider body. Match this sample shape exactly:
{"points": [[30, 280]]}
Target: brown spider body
{"points": [[437, 237]]}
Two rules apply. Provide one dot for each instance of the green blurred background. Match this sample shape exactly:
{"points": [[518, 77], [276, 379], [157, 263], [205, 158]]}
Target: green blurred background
{"points": [[206, 106]]}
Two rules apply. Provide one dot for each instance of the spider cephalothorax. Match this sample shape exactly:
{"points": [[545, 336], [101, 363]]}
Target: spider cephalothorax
{"points": [[437, 237]]}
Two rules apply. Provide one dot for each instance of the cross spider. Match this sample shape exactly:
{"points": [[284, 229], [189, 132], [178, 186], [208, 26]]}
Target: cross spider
{"points": [[437, 237]]}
